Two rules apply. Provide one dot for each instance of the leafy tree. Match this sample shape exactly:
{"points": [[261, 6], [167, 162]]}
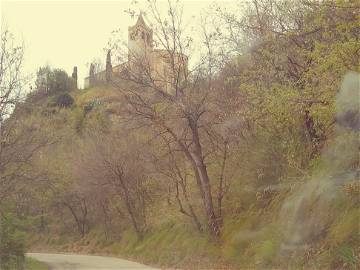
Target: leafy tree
{"points": [[52, 81], [289, 93]]}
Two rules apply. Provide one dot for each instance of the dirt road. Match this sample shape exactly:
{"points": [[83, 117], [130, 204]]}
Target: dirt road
{"points": [[84, 262]]}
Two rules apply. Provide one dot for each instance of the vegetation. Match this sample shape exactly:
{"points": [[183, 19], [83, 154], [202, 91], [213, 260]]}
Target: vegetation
{"points": [[64, 100], [12, 246], [32, 264], [52, 81], [247, 160]]}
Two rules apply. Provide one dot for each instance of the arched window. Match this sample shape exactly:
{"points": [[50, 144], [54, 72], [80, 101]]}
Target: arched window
{"points": [[132, 36]]}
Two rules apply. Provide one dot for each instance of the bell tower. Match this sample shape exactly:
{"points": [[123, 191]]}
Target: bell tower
{"points": [[140, 42]]}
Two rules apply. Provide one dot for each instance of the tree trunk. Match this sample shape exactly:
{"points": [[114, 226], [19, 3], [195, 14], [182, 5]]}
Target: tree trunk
{"points": [[196, 160], [192, 213], [42, 222], [221, 183], [204, 180], [77, 220], [129, 207]]}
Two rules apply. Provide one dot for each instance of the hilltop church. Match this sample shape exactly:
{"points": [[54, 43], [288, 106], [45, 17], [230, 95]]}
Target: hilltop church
{"points": [[142, 56]]}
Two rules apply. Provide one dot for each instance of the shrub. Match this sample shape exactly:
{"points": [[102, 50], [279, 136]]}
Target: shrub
{"points": [[89, 106], [346, 255], [345, 228], [64, 100], [12, 244], [266, 251]]}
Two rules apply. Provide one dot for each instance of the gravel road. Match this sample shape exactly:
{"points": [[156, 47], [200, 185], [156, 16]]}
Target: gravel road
{"points": [[85, 262]]}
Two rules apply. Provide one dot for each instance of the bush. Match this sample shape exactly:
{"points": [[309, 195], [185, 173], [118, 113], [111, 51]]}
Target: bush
{"points": [[32, 264], [345, 256], [12, 244], [265, 252], [64, 100], [88, 107], [346, 227], [91, 105]]}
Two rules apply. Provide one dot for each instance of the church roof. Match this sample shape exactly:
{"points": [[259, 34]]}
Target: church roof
{"points": [[141, 21]]}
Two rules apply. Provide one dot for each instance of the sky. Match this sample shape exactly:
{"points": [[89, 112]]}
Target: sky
{"points": [[65, 34]]}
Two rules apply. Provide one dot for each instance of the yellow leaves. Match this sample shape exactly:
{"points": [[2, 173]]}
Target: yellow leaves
{"points": [[352, 190]]}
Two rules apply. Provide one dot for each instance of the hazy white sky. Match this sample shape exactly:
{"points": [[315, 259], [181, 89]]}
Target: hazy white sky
{"points": [[65, 34]]}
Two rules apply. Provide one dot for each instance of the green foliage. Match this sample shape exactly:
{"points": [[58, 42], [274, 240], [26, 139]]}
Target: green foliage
{"points": [[91, 105], [52, 81], [265, 252], [346, 254], [287, 84], [64, 100], [346, 227], [12, 244], [78, 119], [32, 264]]}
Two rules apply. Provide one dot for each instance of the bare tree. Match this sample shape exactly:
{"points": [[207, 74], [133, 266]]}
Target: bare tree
{"points": [[20, 138], [179, 105], [174, 167], [11, 80], [78, 207], [114, 166]]}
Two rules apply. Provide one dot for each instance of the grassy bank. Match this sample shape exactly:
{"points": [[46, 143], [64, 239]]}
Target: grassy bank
{"points": [[252, 240], [257, 230], [32, 264]]}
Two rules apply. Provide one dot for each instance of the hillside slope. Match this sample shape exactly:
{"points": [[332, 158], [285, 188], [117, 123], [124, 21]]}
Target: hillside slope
{"points": [[313, 218]]}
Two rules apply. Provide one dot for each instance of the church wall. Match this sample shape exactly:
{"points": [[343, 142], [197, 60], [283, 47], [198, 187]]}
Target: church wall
{"points": [[142, 55]]}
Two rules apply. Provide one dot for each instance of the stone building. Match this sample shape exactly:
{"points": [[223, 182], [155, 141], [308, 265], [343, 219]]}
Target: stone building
{"points": [[143, 57]]}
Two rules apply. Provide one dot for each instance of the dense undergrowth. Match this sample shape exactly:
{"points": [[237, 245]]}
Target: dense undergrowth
{"points": [[251, 165], [251, 240], [256, 226]]}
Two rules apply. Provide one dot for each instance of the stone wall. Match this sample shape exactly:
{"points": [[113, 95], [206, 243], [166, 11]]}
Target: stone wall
{"points": [[142, 56]]}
